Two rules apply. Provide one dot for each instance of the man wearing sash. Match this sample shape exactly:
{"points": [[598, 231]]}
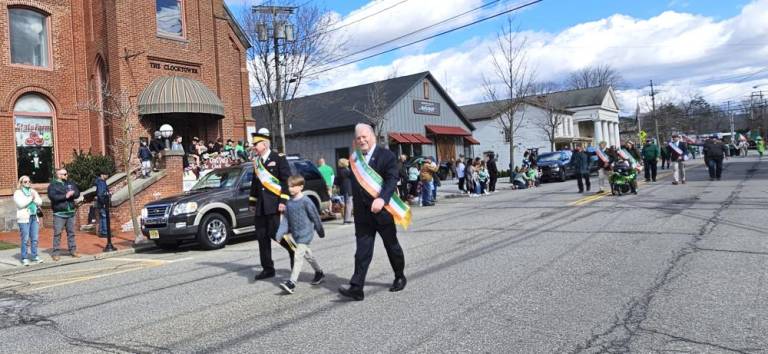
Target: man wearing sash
{"points": [[374, 214], [604, 166], [269, 193], [678, 152]]}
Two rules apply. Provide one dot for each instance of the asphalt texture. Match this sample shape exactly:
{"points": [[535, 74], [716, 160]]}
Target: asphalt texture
{"points": [[674, 268]]}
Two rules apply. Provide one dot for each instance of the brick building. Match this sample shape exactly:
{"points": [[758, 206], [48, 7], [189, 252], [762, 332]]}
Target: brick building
{"points": [[180, 62]]}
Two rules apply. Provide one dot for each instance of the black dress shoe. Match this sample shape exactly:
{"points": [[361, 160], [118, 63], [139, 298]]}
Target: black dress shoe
{"points": [[398, 284], [264, 275], [353, 292]]}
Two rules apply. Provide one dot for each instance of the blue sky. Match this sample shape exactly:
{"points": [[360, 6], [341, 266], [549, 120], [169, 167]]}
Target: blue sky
{"points": [[683, 45]]}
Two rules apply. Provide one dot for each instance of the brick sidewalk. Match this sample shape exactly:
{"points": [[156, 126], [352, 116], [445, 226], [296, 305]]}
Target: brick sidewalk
{"points": [[87, 243]]}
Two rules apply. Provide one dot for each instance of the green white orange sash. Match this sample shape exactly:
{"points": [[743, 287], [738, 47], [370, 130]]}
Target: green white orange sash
{"points": [[627, 156], [371, 181], [270, 182], [601, 155]]}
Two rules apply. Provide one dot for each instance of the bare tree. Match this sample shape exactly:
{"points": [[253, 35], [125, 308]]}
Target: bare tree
{"points": [[592, 76], [313, 47], [375, 107], [374, 110], [512, 81], [556, 114], [116, 108]]}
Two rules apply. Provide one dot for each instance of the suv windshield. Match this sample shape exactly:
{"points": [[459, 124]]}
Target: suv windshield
{"points": [[306, 168], [552, 156], [221, 178]]}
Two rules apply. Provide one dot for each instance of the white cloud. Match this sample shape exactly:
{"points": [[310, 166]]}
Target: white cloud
{"points": [[683, 53]]}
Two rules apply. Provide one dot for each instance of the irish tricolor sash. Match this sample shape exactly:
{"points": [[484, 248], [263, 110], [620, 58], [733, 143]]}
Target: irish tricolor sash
{"points": [[601, 155], [677, 150], [632, 162], [372, 183], [270, 182]]}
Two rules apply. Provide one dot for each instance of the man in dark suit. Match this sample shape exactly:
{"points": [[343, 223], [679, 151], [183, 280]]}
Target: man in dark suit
{"points": [[678, 151], [371, 217], [267, 205]]}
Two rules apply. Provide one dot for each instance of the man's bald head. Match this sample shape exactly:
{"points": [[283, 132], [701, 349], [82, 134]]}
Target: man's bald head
{"points": [[365, 138]]}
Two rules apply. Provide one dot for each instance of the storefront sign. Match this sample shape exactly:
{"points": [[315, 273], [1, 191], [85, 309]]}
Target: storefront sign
{"points": [[34, 132], [173, 67], [426, 107]]}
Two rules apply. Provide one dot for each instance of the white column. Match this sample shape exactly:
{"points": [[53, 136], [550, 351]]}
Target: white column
{"points": [[607, 134], [598, 132], [617, 135]]}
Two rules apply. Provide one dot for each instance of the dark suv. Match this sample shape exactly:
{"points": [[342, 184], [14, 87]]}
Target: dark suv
{"points": [[216, 207], [556, 165]]}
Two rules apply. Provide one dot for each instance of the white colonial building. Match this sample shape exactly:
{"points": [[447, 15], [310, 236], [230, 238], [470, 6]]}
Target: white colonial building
{"points": [[588, 116]]}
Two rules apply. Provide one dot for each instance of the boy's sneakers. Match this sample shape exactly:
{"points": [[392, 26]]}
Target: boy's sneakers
{"points": [[37, 260], [288, 286], [319, 277], [25, 262]]}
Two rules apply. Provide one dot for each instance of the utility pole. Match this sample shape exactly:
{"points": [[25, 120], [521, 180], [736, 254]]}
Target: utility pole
{"points": [[733, 132], [653, 113], [281, 29]]}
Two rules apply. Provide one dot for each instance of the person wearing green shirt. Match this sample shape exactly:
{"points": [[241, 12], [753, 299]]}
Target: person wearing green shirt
{"points": [[63, 194], [327, 173], [760, 146], [651, 155]]}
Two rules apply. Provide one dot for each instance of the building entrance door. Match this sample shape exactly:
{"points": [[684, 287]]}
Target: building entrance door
{"points": [[446, 148]]}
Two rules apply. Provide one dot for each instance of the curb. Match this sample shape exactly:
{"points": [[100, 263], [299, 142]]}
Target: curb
{"points": [[142, 247]]}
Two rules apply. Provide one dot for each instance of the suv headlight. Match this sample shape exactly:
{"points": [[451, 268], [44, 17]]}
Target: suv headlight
{"points": [[185, 208], [144, 213], [555, 168]]}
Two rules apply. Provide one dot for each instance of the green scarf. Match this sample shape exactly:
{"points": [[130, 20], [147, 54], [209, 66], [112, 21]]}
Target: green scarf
{"points": [[32, 206]]}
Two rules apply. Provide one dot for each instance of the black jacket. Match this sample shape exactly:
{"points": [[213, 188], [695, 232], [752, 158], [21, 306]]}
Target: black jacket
{"points": [[343, 180], [580, 162], [493, 171], [674, 155], [714, 149], [57, 193], [384, 163], [266, 202]]}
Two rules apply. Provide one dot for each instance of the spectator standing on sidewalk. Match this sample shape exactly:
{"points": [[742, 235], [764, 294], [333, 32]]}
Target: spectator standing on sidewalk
{"points": [[650, 159], [28, 203], [343, 182], [62, 194], [493, 172], [460, 170], [145, 156], [301, 219], [156, 147], [760, 146], [102, 202], [402, 184], [714, 152], [483, 176], [426, 175], [678, 152], [327, 173], [580, 164]]}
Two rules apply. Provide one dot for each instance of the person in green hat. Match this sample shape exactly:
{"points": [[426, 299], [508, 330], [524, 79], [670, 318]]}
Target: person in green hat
{"points": [[760, 146]]}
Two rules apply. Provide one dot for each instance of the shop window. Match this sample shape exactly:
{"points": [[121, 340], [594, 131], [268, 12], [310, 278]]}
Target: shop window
{"points": [[33, 118], [29, 37], [170, 18]]}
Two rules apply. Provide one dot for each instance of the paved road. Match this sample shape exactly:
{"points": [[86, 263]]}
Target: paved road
{"points": [[675, 268]]}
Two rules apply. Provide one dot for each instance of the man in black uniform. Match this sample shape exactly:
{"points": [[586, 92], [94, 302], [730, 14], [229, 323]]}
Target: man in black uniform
{"points": [[268, 204], [371, 216], [714, 152]]}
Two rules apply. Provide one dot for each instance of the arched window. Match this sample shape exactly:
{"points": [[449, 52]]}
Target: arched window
{"points": [[33, 118], [29, 37]]}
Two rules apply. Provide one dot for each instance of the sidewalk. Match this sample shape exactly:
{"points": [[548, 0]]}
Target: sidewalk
{"points": [[89, 245]]}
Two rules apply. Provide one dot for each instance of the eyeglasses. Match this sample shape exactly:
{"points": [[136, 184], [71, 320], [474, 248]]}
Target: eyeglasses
{"points": [[26, 182]]}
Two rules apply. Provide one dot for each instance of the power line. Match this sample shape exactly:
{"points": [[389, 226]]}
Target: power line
{"points": [[363, 18], [416, 31], [426, 38]]}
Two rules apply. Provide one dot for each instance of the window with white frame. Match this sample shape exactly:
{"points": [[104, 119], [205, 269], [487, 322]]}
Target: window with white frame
{"points": [[29, 37], [33, 118]]}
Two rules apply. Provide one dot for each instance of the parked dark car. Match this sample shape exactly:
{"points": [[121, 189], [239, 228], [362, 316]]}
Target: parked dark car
{"points": [[216, 208], [556, 165]]}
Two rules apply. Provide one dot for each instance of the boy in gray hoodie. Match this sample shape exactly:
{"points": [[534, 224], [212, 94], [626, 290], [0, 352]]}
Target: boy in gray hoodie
{"points": [[301, 219]]}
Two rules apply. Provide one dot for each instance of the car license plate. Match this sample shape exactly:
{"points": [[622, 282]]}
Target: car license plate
{"points": [[154, 234]]}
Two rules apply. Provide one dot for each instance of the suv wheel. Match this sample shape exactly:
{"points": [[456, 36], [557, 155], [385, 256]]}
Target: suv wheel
{"points": [[213, 231]]}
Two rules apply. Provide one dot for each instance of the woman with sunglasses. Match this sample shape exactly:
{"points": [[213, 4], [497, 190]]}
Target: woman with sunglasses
{"points": [[28, 203]]}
